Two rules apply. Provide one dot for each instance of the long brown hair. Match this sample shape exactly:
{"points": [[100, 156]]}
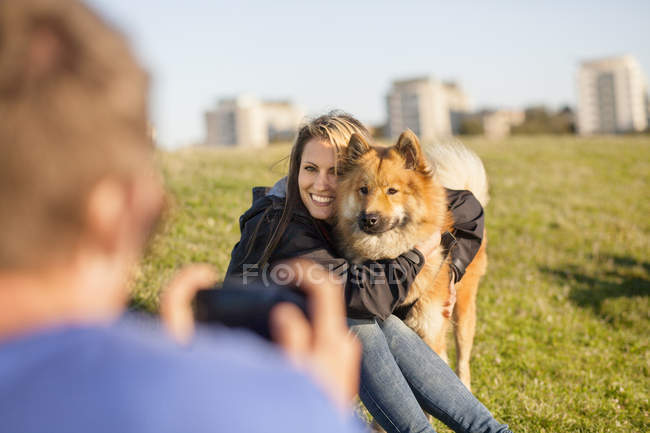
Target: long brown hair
{"points": [[335, 127]]}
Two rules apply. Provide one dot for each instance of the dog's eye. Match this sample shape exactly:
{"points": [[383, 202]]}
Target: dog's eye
{"points": [[391, 191], [363, 190]]}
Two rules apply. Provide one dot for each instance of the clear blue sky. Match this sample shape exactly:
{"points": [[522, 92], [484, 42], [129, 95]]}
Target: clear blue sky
{"points": [[344, 54]]}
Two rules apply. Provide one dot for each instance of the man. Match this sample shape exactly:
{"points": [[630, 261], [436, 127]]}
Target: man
{"points": [[78, 196]]}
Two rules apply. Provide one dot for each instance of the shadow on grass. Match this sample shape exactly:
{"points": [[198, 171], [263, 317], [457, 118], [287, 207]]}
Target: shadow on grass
{"points": [[618, 277], [140, 306]]}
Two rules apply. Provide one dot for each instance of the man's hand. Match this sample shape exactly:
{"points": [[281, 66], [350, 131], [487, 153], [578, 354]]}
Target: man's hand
{"points": [[176, 300], [324, 348]]}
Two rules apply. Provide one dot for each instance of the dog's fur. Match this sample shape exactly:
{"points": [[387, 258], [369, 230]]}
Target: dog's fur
{"points": [[391, 198]]}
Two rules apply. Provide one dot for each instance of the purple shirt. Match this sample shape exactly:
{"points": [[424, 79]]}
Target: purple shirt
{"points": [[128, 377]]}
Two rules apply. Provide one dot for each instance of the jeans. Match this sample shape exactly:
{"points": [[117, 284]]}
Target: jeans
{"points": [[401, 376]]}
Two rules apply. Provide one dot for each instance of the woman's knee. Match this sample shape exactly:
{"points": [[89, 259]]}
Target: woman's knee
{"points": [[376, 351], [366, 330], [393, 325], [398, 335]]}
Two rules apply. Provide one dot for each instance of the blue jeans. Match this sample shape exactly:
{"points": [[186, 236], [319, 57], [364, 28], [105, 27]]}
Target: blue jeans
{"points": [[401, 375]]}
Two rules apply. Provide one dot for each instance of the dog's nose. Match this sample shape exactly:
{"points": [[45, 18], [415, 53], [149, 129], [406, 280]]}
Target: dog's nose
{"points": [[370, 219]]}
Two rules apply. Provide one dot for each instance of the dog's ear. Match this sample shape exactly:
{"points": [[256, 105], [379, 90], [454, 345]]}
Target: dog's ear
{"points": [[357, 147], [408, 146]]}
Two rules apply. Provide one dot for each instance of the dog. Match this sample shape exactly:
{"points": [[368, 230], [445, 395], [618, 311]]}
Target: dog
{"points": [[391, 198]]}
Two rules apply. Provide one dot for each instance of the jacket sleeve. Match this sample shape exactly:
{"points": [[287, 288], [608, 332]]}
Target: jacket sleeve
{"points": [[469, 224], [372, 288], [255, 233]]}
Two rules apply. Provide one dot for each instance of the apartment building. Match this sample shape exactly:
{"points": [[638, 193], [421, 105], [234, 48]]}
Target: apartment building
{"points": [[612, 96], [282, 119], [429, 107], [498, 123], [458, 104], [247, 121]]}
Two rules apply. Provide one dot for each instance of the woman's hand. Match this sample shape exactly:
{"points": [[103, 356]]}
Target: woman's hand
{"points": [[430, 245], [448, 307], [323, 347], [176, 300]]}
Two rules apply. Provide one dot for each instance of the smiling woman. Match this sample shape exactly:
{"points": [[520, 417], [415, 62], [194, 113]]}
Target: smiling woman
{"points": [[317, 178], [295, 221]]}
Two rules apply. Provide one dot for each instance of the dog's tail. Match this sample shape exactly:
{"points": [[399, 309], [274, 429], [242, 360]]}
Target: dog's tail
{"points": [[457, 167]]}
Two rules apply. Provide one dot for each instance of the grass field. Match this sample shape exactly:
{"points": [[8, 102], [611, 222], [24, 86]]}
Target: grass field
{"points": [[563, 333]]}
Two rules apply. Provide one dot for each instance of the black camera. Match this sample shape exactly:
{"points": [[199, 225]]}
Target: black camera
{"points": [[238, 306]]}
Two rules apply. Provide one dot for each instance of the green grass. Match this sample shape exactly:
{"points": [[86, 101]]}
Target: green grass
{"points": [[562, 342]]}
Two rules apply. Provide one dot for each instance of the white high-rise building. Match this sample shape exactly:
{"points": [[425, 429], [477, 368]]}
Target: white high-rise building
{"points": [[248, 122], [429, 107], [458, 104], [282, 119], [236, 122], [612, 96]]}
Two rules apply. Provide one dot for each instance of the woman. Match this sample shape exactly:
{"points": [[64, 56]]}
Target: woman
{"points": [[400, 374]]}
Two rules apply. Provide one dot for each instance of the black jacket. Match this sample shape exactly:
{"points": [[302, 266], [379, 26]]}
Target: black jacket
{"points": [[469, 225], [372, 289]]}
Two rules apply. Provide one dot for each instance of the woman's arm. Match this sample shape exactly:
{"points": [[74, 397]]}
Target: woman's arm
{"points": [[469, 223], [372, 288]]}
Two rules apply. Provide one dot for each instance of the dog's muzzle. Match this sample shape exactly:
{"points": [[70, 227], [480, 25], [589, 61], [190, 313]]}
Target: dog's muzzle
{"points": [[374, 223]]}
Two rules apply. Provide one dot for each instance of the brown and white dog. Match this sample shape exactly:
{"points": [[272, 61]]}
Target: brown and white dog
{"points": [[391, 198]]}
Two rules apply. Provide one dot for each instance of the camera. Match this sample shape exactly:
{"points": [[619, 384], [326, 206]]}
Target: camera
{"points": [[245, 306]]}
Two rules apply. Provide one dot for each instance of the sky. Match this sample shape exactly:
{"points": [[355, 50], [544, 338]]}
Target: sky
{"points": [[345, 54]]}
